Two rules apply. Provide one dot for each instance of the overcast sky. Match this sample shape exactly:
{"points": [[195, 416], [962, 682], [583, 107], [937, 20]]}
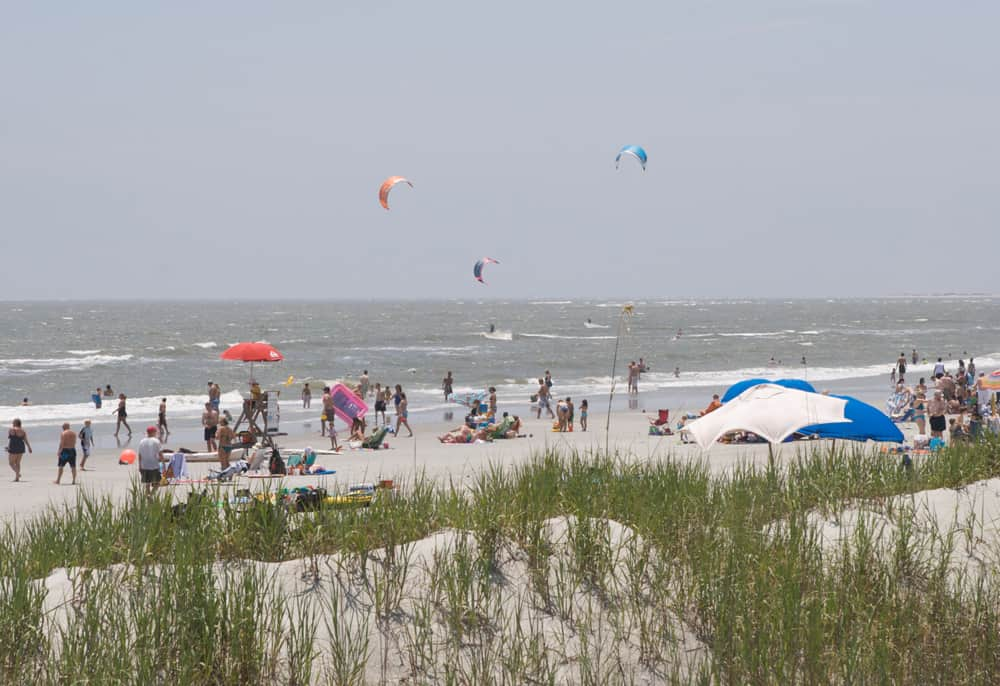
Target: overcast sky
{"points": [[235, 149]]}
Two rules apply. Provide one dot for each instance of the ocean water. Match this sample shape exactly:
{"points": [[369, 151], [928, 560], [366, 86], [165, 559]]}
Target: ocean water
{"points": [[57, 353]]}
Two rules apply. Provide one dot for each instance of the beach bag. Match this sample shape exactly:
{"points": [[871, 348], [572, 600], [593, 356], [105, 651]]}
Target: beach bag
{"points": [[277, 465], [310, 500]]}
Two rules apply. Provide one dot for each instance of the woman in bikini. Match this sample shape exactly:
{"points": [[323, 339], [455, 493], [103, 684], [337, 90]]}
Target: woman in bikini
{"points": [[920, 413]]}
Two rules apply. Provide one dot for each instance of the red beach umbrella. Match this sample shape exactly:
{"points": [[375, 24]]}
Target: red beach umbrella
{"points": [[252, 352]]}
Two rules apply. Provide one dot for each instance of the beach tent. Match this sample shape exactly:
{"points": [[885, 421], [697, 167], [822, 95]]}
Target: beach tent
{"points": [[866, 423], [772, 412], [741, 386]]}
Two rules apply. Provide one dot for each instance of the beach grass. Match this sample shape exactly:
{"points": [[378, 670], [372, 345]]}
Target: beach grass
{"points": [[661, 571]]}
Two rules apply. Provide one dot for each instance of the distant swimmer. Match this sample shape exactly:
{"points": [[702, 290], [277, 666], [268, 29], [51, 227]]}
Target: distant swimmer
{"points": [[803, 360], [25, 402], [680, 332], [589, 320], [493, 328], [913, 356], [771, 362], [108, 393], [677, 372]]}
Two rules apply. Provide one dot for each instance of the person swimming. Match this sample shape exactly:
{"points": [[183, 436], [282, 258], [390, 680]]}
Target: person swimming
{"points": [[493, 328]]}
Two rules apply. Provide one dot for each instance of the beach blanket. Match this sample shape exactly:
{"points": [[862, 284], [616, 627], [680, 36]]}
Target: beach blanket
{"points": [[178, 469]]}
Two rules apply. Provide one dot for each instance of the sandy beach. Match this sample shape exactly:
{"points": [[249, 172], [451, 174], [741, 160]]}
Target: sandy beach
{"points": [[406, 458]]}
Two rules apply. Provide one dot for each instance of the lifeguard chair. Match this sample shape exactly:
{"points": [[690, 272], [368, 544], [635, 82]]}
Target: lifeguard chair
{"points": [[261, 415]]}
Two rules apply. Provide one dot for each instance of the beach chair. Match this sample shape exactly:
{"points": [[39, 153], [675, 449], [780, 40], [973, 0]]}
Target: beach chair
{"points": [[375, 440], [662, 417]]}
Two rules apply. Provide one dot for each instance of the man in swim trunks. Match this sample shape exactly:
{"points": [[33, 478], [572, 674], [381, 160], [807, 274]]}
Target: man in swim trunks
{"points": [[214, 394], [936, 409], [67, 452], [363, 384], [150, 450], [210, 420], [543, 400]]}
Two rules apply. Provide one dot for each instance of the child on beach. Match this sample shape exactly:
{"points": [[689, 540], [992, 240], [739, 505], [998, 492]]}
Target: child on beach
{"points": [[583, 415], [86, 442]]}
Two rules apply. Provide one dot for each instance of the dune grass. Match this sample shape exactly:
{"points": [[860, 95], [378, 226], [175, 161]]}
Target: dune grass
{"points": [[731, 560]]}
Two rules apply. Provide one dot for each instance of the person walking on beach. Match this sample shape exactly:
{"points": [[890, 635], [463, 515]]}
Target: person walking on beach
{"points": [[584, 408], [17, 441], [402, 414], [86, 443], [122, 415], [544, 399], [901, 365], [161, 420], [936, 409], [446, 384], [379, 404], [363, 384], [66, 453], [225, 438], [328, 414], [629, 375], [210, 422], [307, 395], [149, 451], [397, 397]]}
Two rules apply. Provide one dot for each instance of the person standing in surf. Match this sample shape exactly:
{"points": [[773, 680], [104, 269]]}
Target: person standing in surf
{"points": [[307, 395], [446, 385], [363, 384]]}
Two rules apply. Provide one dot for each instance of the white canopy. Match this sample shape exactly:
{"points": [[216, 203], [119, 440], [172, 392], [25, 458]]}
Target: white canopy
{"points": [[772, 412]]}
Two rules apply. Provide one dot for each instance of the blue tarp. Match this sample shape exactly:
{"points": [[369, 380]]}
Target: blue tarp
{"points": [[741, 386], [866, 423]]}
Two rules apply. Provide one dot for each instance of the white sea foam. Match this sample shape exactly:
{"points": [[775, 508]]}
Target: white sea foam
{"points": [[38, 365], [139, 410], [207, 344], [83, 352], [552, 302]]}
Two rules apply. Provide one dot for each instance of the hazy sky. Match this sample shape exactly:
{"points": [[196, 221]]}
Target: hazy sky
{"points": [[235, 149]]}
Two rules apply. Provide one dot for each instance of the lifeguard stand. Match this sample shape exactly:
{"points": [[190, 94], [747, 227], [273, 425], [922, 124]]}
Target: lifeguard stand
{"points": [[262, 416]]}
